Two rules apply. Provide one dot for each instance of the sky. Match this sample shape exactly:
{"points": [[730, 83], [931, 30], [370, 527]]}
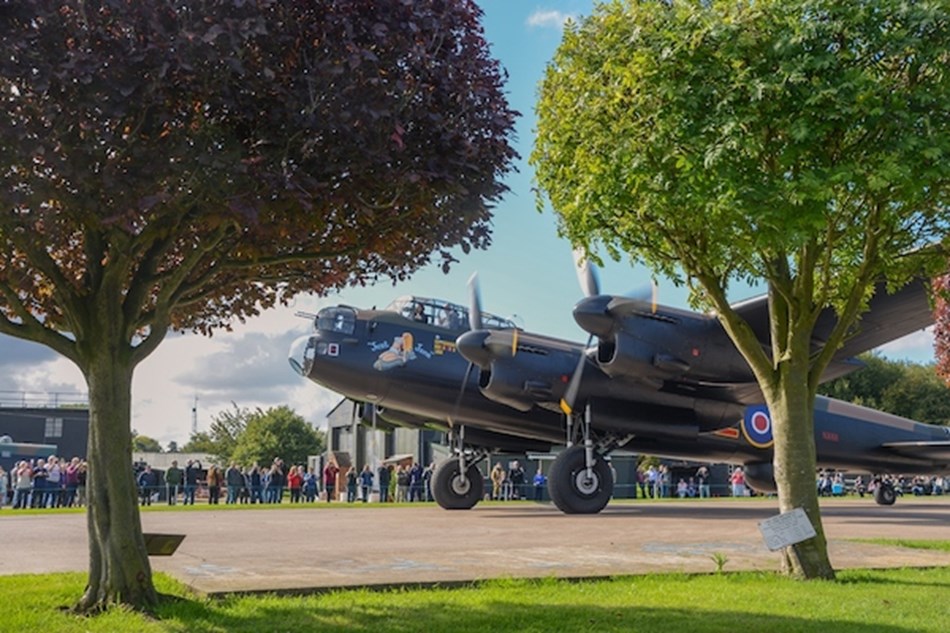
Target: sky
{"points": [[527, 273]]}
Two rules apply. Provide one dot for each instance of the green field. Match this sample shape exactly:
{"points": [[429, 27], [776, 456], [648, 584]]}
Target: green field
{"points": [[890, 601]]}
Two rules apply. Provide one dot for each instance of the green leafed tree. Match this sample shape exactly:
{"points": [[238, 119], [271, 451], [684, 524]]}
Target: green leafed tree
{"points": [[145, 444], [802, 144], [179, 164], [910, 390], [222, 437], [278, 432]]}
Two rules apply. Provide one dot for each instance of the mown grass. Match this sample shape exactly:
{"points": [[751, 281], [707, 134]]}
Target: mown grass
{"points": [[942, 546], [890, 601]]}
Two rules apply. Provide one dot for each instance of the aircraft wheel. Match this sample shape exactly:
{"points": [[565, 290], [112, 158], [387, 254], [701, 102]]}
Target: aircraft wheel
{"points": [[573, 490], [884, 494], [451, 491]]}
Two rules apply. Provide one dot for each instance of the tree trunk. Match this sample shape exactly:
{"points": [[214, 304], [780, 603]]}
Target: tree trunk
{"points": [[793, 426], [119, 570]]}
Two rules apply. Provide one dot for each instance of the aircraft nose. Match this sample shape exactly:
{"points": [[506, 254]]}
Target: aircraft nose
{"points": [[471, 345], [302, 353]]}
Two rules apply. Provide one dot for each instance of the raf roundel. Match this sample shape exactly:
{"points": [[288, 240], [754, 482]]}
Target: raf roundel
{"points": [[757, 427]]}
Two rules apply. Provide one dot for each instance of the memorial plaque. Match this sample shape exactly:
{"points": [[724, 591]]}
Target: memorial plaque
{"points": [[162, 544], [786, 529]]}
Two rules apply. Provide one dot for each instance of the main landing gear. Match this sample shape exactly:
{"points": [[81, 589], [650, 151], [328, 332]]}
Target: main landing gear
{"points": [[457, 482], [576, 488], [884, 493], [580, 481]]}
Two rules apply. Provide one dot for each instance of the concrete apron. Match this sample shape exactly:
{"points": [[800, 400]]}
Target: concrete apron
{"points": [[309, 548]]}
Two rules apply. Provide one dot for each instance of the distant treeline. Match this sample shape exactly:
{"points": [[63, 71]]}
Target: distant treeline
{"points": [[911, 390]]}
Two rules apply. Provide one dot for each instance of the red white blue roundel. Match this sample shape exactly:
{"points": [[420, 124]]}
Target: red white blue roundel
{"points": [[757, 426]]}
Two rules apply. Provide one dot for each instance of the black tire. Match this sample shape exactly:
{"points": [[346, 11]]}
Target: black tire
{"points": [[884, 494], [451, 491], [572, 491]]}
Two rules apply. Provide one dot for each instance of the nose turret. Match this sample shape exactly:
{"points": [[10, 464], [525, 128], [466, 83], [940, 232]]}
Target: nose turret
{"points": [[302, 354]]}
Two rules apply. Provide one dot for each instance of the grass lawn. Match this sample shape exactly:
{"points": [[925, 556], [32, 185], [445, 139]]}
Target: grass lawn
{"points": [[890, 601]]}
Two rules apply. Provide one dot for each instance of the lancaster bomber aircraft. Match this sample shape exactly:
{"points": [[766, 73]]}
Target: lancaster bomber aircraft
{"points": [[658, 380]]}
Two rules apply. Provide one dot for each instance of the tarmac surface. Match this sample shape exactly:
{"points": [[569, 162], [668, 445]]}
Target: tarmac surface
{"points": [[311, 548]]}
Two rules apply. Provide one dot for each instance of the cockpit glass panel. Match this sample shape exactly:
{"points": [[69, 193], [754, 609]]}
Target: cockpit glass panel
{"points": [[445, 314], [337, 319]]}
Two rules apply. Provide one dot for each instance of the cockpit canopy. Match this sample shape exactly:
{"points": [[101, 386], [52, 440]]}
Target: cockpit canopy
{"points": [[445, 314]]}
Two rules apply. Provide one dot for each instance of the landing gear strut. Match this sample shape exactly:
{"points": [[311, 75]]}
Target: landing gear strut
{"points": [[580, 481], [457, 483]]}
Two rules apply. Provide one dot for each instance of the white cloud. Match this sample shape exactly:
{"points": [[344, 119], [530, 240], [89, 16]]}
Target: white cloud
{"points": [[917, 347], [548, 18]]}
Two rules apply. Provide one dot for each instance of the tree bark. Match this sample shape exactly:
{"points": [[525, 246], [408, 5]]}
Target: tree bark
{"points": [[791, 407], [119, 570]]}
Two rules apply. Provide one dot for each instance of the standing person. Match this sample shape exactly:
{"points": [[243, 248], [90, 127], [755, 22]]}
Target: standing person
{"points": [[4, 486], [214, 481], [295, 483], [23, 483], [738, 482], [366, 482], [641, 484], [54, 483], [38, 498], [174, 477], [652, 477], [329, 480], [497, 477], [516, 477], [427, 481], [415, 482], [384, 475], [71, 482], [702, 481], [147, 482], [402, 484], [254, 482], [540, 481], [234, 481], [350, 484], [278, 479], [191, 481], [309, 484], [81, 490]]}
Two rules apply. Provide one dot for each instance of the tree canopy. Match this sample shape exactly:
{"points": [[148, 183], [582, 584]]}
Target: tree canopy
{"points": [[278, 432], [910, 390], [145, 444], [184, 163], [802, 143], [211, 158]]}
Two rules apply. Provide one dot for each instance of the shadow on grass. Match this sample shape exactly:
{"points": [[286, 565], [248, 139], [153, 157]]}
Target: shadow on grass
{"points": [[496, 616]]}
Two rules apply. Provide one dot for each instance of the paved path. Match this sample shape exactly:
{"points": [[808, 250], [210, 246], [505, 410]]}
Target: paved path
{"points": [[325, 547]]}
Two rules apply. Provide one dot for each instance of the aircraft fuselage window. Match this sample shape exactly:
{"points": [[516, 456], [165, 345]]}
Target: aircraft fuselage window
{"points": [[336, 319]]}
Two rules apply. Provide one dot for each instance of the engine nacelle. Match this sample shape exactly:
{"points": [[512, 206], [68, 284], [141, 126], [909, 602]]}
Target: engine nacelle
{"points": [[760, 476], [506, 384], [626, 356]]}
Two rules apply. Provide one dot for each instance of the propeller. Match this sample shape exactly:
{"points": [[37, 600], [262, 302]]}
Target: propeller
{"points": [[586, 273], [570, 394], [475, 303]]}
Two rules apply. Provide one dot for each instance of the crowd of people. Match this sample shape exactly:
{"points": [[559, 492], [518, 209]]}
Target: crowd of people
{"points": [[44, 483], [278, 481], [54, 483]]}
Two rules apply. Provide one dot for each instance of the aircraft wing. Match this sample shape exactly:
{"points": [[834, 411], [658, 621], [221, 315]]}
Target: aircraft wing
{"points": [[889, 317], [938, 451]]}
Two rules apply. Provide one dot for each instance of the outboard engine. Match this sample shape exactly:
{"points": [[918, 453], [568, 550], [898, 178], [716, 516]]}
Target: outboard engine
{"points": [[761, 477]]}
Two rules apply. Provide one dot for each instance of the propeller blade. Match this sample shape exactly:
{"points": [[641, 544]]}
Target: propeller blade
{"points": [[570, 395], [475, 303], [586, 274], [458, 399]]}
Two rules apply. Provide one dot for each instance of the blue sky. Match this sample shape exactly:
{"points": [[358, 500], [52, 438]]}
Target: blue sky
{"points": [[527, 272]]}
